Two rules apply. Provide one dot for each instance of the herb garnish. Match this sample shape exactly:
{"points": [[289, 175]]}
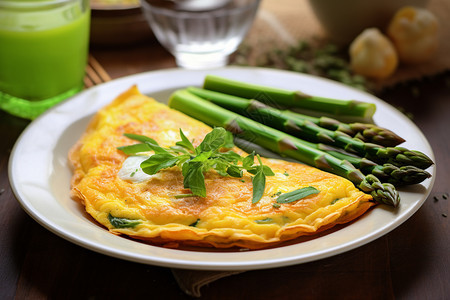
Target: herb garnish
{"points": [[264, 221], [276, 194], [122, 222], [334, 201], [297, 194], [195, 161]]}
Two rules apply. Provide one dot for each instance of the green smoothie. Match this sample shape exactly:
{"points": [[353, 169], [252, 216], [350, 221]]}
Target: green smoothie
{"points": [[43, 54]]}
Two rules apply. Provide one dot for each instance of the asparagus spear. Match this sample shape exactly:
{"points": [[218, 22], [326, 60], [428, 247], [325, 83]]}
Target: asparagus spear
{"points": [[365, 132], [369, 133], [398, 176], [340, 109], [305, 129], [281, 143]]}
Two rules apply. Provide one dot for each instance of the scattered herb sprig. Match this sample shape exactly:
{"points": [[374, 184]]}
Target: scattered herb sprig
{"points": [[195, 161]]}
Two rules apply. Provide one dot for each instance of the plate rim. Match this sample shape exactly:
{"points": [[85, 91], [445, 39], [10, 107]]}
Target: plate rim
{"points": [[206, 265]]}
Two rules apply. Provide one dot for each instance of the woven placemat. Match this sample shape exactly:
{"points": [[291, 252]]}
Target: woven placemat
{"points": [[283, 23]]}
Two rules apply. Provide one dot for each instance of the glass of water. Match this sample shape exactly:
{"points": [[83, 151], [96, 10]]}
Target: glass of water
{"points": [[200, 34]]}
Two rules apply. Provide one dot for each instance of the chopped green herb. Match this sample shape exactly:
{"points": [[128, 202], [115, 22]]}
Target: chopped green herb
{"points": [[297, 194], [276, 205], [264, 221], [117, 222], [242, 180], [184, 196], [195, 161], [335, 200], [195, 223], [286, 173], [276, 194]]}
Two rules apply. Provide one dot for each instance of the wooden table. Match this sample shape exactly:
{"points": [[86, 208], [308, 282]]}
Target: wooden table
{"points": [[411, 262]]}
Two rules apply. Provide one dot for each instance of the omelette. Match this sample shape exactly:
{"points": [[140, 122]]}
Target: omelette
{"points": [[121, 197]]}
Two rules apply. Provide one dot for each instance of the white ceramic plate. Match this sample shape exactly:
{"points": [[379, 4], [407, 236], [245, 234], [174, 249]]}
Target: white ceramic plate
{"points": [[40, 174]]}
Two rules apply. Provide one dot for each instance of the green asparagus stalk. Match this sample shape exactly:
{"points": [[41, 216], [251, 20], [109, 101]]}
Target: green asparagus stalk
{"points": [[305, 129], [344, 110], [369, 133], [281, 143], [398, 176]]}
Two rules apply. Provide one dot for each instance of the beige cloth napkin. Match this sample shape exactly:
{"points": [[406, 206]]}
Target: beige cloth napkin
{"points": [[285, 22]]}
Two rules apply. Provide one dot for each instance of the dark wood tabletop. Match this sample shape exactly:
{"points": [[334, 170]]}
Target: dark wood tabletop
{"points": [[411, 262]]}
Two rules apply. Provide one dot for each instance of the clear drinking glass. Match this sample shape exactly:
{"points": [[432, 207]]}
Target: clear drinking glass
{"points": [[200, 33], [43, 53]]}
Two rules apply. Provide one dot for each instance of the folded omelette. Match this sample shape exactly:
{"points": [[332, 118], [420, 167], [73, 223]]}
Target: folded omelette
{"points": [[119, 196]]}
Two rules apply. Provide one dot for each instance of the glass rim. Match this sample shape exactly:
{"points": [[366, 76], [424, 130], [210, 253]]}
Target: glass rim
{"points": [[196, 14], [33, 3]]}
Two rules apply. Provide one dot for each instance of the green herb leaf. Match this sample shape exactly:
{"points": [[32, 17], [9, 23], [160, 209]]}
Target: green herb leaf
{"points": [[134, 149], [297, 194], [259, 183], [117, 222], [229, 156], [248, 161], [185, 143], [194, 179], [266, 170], [213, 140], [229, 142], [202, 157], [179, 149], [220, 166], [234, 171], [146, 143], [157, 162], [140, 138], [157, 148]]}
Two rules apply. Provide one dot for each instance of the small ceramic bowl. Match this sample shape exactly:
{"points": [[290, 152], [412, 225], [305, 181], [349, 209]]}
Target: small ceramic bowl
{"points": [[343, 20]]}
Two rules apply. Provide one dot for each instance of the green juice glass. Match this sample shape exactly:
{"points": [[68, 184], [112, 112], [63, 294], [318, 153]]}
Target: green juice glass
{"points": [[43, 53]]}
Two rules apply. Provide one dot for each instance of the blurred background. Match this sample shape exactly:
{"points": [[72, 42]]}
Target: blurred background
{"points": [[311, 36]]}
